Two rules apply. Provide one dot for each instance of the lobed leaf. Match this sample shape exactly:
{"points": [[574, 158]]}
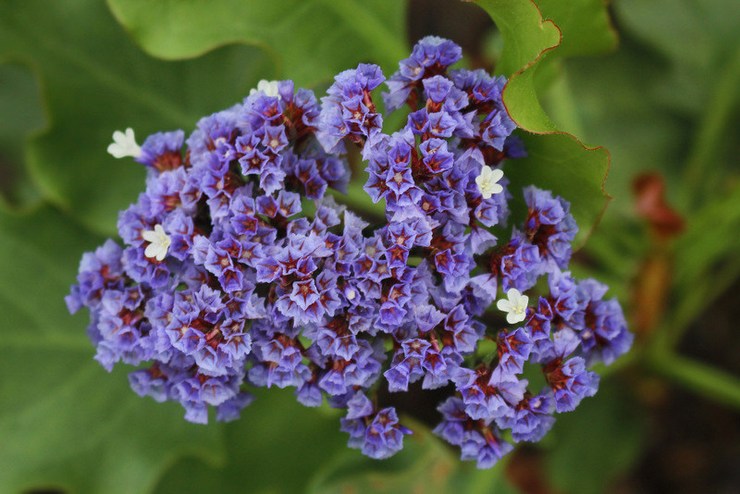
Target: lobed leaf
{"points": [[585, 26], [558, 161], [311, 40]]}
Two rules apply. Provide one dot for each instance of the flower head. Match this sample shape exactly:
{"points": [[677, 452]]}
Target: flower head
{"points": [[269, 282]]}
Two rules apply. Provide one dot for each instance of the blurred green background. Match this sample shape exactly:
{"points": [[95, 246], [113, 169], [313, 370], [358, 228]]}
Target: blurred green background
{"points": [[656, 82]]}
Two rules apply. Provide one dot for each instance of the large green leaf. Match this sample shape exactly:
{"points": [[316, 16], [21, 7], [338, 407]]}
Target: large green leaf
{"points": [[276, 446], [426, 464], [585, 26], [561, 163], [20, 114], [558, 160], [64, 421], [95, 81], [312, 40], [526, 34], [279, 446]]}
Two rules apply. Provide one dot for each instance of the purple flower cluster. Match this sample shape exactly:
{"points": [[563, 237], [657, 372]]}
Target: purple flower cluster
{"points": [[238, 270]]}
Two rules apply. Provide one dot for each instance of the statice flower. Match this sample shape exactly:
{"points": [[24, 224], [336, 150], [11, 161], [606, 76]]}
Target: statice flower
{"points": [[237, 269], [348, 110], [430, 56]]}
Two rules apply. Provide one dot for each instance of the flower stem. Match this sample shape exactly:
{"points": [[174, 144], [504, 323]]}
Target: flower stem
{"points": [[697, 377], [716, 116]]}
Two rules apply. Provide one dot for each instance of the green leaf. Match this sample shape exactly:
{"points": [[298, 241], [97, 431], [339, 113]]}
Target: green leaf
{"points": [[558, 161], [526, 35], [91, 89], [276, 446], [20, 114], [312, 40], [279, 446], [426, 464], [595, 443], [64, 421], [585, 26]]}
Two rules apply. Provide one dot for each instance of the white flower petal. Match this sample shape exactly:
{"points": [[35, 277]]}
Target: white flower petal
{"points": [[115, 150], [151, 251], [149, 235], [513, 318]]}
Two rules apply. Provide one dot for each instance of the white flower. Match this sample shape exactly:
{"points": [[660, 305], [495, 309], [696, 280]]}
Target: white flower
{"points": [[487, 181], [269, 88], [515, 306], [159, 242], [124, 144]]}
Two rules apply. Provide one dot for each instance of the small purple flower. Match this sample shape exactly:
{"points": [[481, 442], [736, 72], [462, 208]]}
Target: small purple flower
{"points": [[530, 419], [484, 447], [568, 378], [348, 110], [452, 427], [431, 56], [604, 336], [492, 395], [161, 151], [384, 435], [514, 348]]}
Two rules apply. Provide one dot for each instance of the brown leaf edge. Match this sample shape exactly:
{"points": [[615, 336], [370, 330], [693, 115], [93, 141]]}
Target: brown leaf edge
{"points": [[532, 65]]}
